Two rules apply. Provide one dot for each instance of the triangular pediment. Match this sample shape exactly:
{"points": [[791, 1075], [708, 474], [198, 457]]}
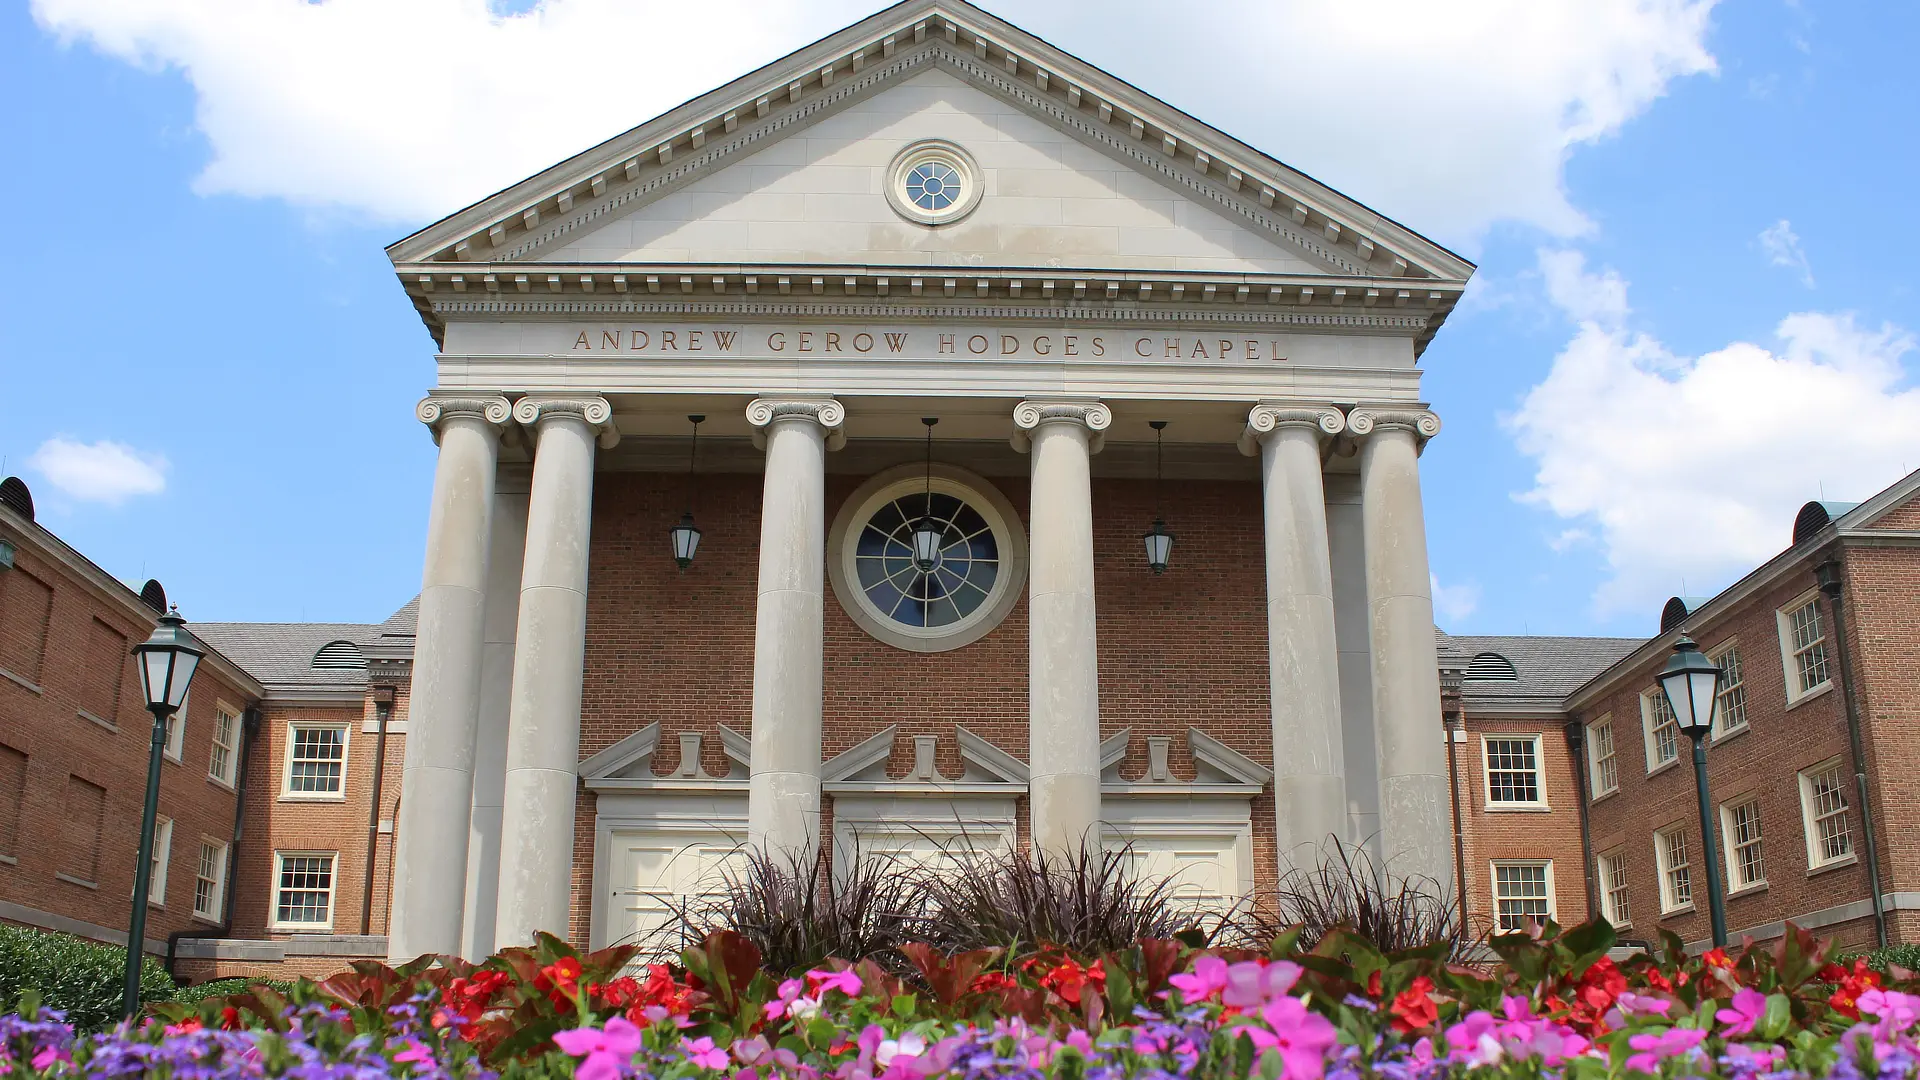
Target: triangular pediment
{"points": [[785, 167]]}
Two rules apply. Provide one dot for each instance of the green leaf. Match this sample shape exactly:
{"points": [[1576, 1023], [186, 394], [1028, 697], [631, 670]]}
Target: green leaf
{"points": [[1773, 1023], [903, 1005]]}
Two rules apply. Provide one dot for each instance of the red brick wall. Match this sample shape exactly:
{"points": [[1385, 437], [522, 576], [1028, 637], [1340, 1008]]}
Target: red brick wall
{"points": [[1883, 627], [1489, 834], [74, 786], [1763, 761]]}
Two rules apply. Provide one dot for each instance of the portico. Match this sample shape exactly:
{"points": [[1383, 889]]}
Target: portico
{"points": [[1104, 262]]}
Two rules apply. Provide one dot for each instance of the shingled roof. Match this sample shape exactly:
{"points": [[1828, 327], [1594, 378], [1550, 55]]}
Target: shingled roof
{"points": [[1545, 669]]}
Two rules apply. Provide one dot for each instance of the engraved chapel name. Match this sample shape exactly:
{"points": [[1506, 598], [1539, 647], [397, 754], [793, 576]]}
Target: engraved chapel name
{"points": [[923, 343]]}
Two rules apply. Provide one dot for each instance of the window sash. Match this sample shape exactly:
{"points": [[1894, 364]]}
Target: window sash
{"points": [[1823, 801], [1676, 870], [162, 857], [1732, 714], [1614, 901], [1746, 864], [1522, 894], [316, 759], [1663, 730], [1806, 641], [303, 895], [1602, 759], [209, 880], [177, 728], [1513, 770], [222, 760]]}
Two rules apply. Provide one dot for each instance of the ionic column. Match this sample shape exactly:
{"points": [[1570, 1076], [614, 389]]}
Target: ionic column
{"points": [[496, 694], [1408, 733], [436, 781], [1063, 665], [1309, 770], [783, 794], [543, 717]]}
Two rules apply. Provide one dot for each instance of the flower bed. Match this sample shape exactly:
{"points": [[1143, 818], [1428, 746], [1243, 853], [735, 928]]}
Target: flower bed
{"points": [[1554, 1005]]}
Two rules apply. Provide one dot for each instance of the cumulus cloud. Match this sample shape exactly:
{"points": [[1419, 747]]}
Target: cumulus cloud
{"points": [[1453, 603], [1781, 245], [103, 472], [406, 110], [1691, 467]]}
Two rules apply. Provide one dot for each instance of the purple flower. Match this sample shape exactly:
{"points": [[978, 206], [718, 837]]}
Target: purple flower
{"points": [[605, 1053], [1748, 1006]]}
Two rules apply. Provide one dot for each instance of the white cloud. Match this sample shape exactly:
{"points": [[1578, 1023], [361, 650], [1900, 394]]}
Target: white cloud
{"points": [[1691, 468], [1599, 298], [1447, 116], [1452, 603], [103, 472], [1782, 247]]}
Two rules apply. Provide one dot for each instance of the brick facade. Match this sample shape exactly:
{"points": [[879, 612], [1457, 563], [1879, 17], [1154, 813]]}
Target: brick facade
{"points": [[1493, 833]]}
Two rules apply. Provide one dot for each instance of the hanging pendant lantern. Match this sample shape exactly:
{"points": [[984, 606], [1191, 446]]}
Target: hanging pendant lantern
{"points": [[928, 535], [1158, 541], [686, 535]]}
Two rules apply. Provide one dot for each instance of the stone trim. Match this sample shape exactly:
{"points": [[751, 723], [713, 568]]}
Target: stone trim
{"points": [[595, 412], [1030, 414], [435, 410], [1270, 416], [764, 412], [1423, 423]]}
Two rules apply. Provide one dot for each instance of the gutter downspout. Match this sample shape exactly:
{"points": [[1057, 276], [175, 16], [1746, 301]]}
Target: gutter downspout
{"points": [[1577, 749], [1830, 574], [382, 710], [249, 731]]}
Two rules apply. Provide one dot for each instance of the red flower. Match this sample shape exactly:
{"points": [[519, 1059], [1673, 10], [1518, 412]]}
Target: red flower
{"points": [[1717, 957], [619, 993], [1068, 979], [1658, 981], [560, 981], [230, 1018], [1373, 985], [1600, 984], [1413, 1009], [1852, 984], [465, 999], [992, 982]]}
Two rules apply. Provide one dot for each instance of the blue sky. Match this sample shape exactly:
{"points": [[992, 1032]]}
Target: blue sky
{"points": [[1692, 224]]}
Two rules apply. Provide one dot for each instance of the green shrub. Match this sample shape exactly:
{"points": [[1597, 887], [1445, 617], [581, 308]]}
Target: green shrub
{"points": [[83, 978], [217, 988], [1906, 956]]}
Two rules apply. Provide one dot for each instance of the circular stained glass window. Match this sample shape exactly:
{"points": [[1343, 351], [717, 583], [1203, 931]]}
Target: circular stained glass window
{"points": [[939, 590], [927, 571], [933, 182]]}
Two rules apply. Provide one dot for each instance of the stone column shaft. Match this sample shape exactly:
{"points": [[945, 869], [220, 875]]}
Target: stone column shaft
{"points": [[1408, 733], [543, 720], [783, 795], [1063, 660], [436, 780], [496, 693], [1309, 784]]}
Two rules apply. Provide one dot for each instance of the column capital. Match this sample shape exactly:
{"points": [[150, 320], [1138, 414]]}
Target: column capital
{"points": [[1270, 416], [435, 410], [592, 410], [1424, 423], [828, 413], [1092, 415]]}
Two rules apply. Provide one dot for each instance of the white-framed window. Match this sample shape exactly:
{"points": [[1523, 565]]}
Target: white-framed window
{"points": [[1512, 771], [1731, 716], [1823, 808], [1740, 829], [210, 881], [1676, 869], [1603, 765], [1662, 730], [1612, 871], [1803, 646], [224, 760], [162, 856], [303, 889], [316, 760], [1522, 893], [177, 729]]}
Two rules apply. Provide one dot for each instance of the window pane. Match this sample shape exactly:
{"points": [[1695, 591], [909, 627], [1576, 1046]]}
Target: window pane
{"points": [[1743, 836], [317, 759], [1613, 890], [1512, 773], [1521, 893], [306, 889], [1826, 794], [1733, 691], [1606, 770], [1677, 875], [1665, 729]]}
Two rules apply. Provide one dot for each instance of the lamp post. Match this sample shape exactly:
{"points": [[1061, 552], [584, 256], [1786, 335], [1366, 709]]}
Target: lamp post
{"points": [[1691, 683], [167, 662]]}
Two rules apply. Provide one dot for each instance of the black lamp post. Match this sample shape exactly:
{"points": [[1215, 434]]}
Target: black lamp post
{"points": [[1691, 683], [686, 535], [167, 662]]}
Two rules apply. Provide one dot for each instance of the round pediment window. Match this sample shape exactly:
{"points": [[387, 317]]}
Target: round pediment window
{"points": [[933, 182], [939, 591]]}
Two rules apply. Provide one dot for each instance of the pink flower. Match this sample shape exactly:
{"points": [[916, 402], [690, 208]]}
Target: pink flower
{"points": [[416, 1053], [1653, 1049], [844, 981], [1251, 984], [1475, 1040], [47, 1056], [1632, 1004], [1423, 1053], [1758, 1059], [788, 993], [1301, 1036], [703, 1054], [1209, 977], [603, 1051], [1895, 1010], [908, 1045], [1749, 1005]]}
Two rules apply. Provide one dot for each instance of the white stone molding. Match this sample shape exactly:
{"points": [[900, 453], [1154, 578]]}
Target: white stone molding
{"points": [[1030, 414], [1113, 748], [977, 751], [1424, 423], [861, 756], [435, 410], [1236, 765], [830, 414], [1270, 416], [618, 760], [944, 152], [738, 747], [595, 412], [690, 767], [925, 766], [976, 491]]}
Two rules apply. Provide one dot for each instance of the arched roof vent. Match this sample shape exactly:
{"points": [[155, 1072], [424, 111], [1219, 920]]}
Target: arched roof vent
{"points": [[1677, 610], [1816, 516], [1490, 667], [339, 655], [154, 596], [14, 495]]}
